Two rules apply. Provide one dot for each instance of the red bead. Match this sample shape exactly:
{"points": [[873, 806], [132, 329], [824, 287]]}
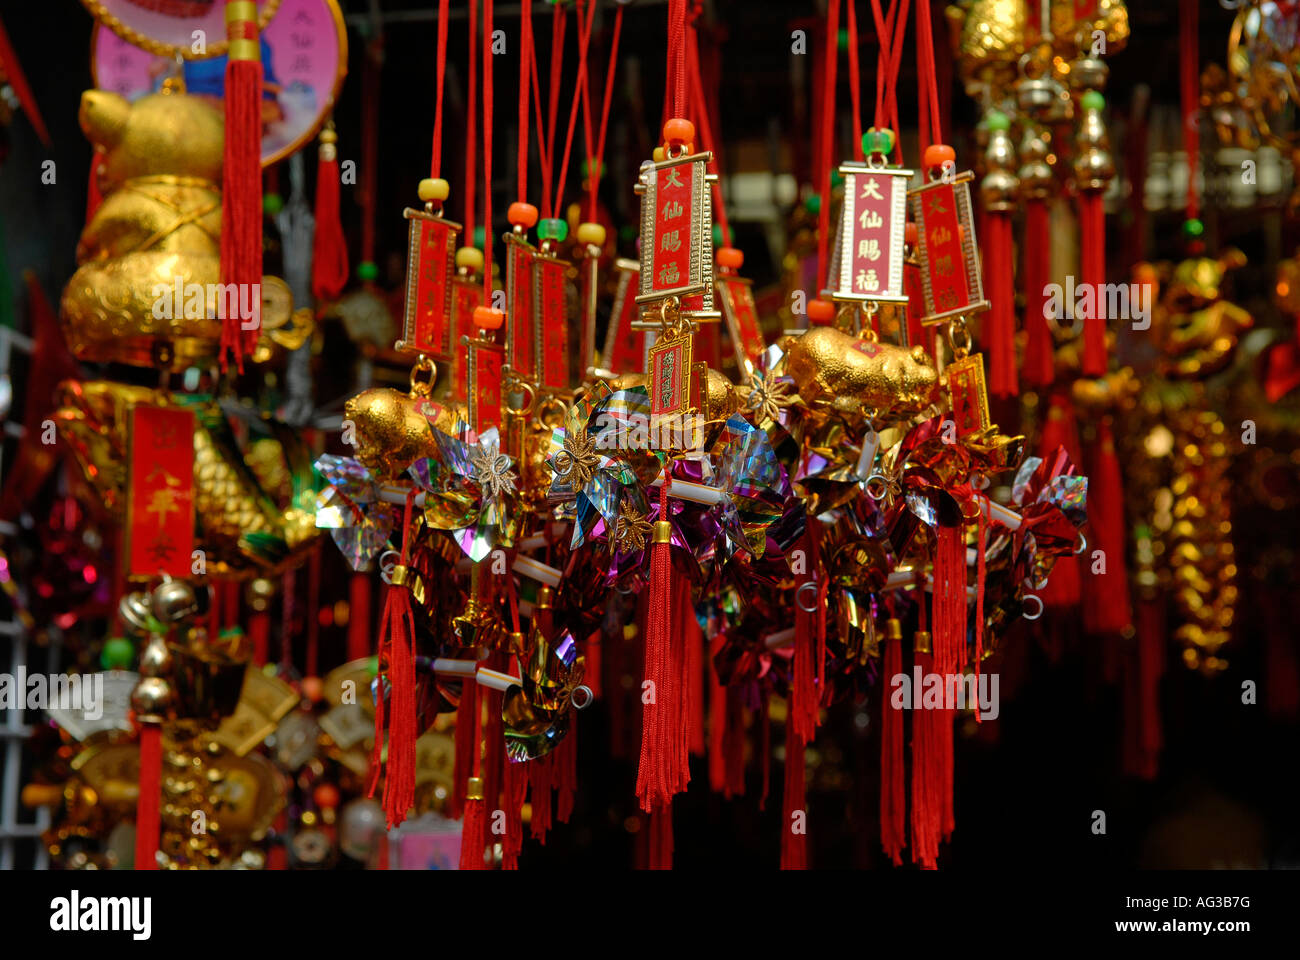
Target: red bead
{"points": [[821, 312], [522, 214], [731, 258], [678, 131], [939, 154], [326, 796], [488, 318], [910, 234]]}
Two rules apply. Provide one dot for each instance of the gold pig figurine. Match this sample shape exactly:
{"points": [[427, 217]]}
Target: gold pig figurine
{"points": [[854, 374]]}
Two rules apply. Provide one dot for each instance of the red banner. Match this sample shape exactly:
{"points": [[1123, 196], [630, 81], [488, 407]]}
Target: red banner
{"points": [[520, 332], [674, 198], [552, 324], [160, 502], [941, 237], [742, 318], [466, 295], [670, 376], [485, 363], [428, 285]]}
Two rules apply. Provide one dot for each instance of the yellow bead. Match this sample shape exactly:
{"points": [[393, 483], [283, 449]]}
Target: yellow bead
{"points": [[434, 191], [470, 258], [658, 154], [591, 233]]}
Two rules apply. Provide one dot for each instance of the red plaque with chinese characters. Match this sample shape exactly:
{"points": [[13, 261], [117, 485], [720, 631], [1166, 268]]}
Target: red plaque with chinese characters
{"points": [[950, 270], [624, 347], [867, 263], [670, 376], [466, 294], [160, 503], [429, 268], [521, 332], [677, 233], [737, 296], [551, 305], [486, 360]]}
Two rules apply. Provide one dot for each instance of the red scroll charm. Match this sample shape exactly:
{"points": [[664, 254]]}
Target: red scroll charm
{"points": [[677, 234], [950, 267], [867, 263], [429, 268], [160, 507]]}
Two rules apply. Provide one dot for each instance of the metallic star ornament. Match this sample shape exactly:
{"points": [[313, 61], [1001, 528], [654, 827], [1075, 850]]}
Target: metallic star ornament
{"points": [[631, 528], [492, 471], [577, 462], [769, 398]]}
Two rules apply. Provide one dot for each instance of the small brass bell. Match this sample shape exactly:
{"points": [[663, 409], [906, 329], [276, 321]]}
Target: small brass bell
{"points": [[1035, 94], [135, 611], [174, 600]]}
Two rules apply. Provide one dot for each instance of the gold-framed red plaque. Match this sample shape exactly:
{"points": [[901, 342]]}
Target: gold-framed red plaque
{"points": [[737, 296], [589, 277], [950, 266], [430, 264], [624, 347], [551, 324], [521, 334], [671, 376], [160, 502], [677, 233], [466, 295], [485, 374], [867, 259], [968, 394]]}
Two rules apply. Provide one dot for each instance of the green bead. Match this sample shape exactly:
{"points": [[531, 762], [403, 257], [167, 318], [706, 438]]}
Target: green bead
{"points": [[626, 233], [1093, 100], [837, 178], [118, 654], [1192, 229], [586, 168], [813, 204], [879, 142], [480, 237], [717, 235], [997, 120], [367, 270], [272, 204], [230, 633], [552, 228], [844, 38], [372, 666]]}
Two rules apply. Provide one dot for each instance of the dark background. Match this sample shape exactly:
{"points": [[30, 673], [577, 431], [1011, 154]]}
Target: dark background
{"points": [[1026, 786]]}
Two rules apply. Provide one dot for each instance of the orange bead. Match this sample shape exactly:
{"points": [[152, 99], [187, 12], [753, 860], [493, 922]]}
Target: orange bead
{"points": [[910, 234], [821, 312], [731, 258], [938, 154], [678, 131], [313, 688], [522, 214], [488, 318]]}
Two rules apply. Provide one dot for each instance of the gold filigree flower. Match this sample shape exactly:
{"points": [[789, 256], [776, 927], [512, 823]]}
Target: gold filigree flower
{"points": [[631, 528], [492, 471], [577, 462], [768, 398]]}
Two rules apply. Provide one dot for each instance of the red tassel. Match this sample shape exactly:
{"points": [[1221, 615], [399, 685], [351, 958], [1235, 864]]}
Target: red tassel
{"points": [[147, 822], [329, 252], [358, 617], [259, 634], [1065, 585], [463, 763], [494, 750], [1109, 609], [734, 744], [241, 188], [794, 809], [593, 652], [663, 769], [472, 838], [767, 750], [93, 196], [694, 643], [661, 838], [950, 602], [893, 801], [516, 789], [1144, 738], [1001, 335], [1039, 365], [804, 704], [927, 804], [717, 726], [1092, 270]]}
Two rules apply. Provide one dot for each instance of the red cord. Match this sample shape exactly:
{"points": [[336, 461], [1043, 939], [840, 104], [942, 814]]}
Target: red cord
{"points": [[559, 17], [526, 56], [676, 67], [435, 163], [827, 135], [892, 29], [855, 79], [471, 116], [926, 78], [706, 134], [487, 151], [584, 36], [597, 171]]}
